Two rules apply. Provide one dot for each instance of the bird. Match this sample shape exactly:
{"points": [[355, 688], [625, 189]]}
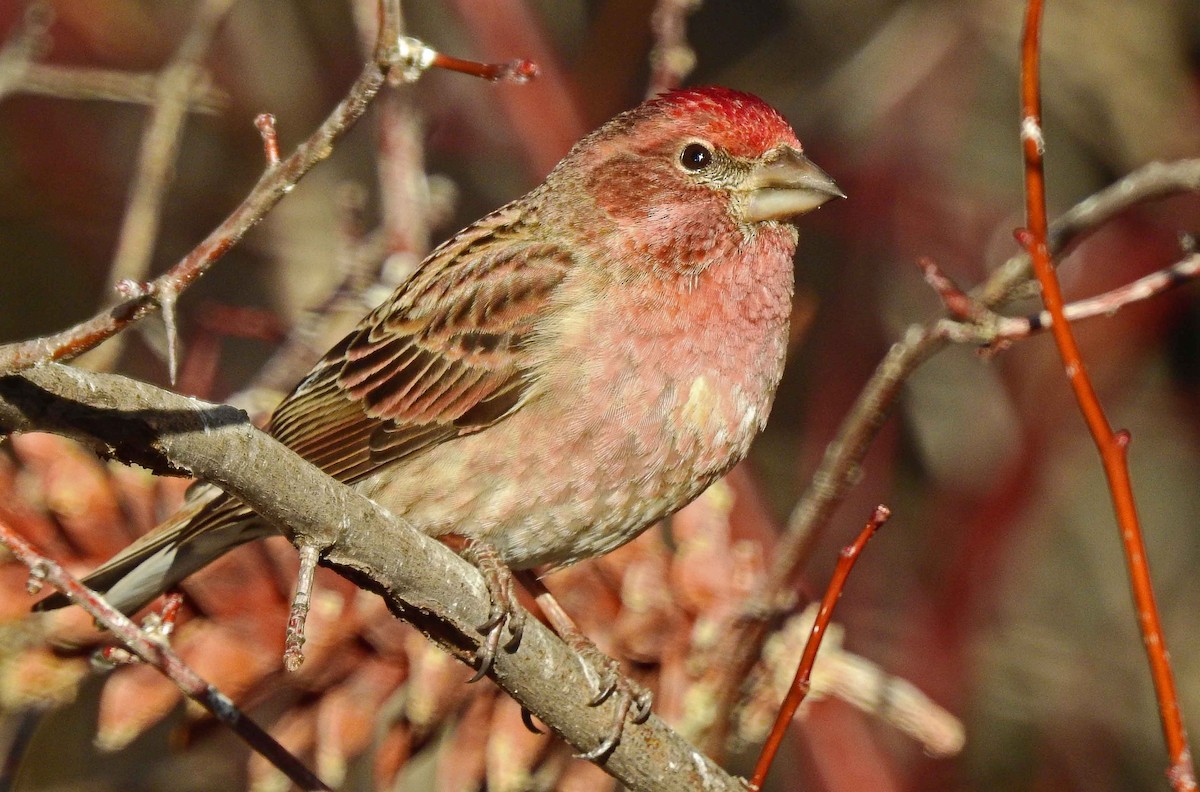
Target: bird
{"points": [[564, 372]]}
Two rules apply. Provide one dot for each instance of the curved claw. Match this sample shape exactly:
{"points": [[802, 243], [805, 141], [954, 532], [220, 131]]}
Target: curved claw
{"points": [[614, 733], [602, 750], [505, 614], [485, 656], [642, 706], [607, 688], [515, 624], [527, 719], [633, 701]]}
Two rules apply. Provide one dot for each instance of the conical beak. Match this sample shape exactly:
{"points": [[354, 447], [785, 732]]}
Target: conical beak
{"points": [[784, 185]]}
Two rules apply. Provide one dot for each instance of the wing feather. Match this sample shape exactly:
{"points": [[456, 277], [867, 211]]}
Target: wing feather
{"points": [[443, 357]]}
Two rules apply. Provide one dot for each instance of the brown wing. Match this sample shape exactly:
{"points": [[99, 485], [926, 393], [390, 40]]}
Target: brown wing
{"points": [[441, 358]]}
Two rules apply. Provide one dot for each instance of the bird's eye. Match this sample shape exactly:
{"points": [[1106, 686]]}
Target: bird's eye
{"points": [[695, 157]]}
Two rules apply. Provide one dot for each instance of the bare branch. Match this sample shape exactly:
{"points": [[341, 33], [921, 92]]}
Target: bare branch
{"points": [[21, 74], [422, 580], [994, 328], [159, 654], [671, 59], [1149, 183], [272, 186], [159, 150]]}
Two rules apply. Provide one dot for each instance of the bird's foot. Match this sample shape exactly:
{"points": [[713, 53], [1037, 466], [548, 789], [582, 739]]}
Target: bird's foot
{"points": [[506, 614], [633, 701]]}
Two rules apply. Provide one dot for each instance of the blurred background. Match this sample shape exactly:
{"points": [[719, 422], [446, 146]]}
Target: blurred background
{"points": [[998, 588]]}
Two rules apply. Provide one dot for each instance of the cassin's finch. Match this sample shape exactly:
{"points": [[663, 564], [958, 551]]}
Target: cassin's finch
{"points": [[566, 371]]}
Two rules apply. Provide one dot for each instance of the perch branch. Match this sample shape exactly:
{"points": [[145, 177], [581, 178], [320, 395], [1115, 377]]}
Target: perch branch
{"points": [[422, 580]]}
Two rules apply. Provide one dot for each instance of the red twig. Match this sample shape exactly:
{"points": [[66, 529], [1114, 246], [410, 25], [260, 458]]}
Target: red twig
{"points": [[801, 682], [960, 304], [265, 122], [519, 70], [158, 654], [546, 118], [417, 56], [1113, 446]]}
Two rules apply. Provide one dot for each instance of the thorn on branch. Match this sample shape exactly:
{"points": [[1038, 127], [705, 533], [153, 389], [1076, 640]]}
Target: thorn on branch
{"points": [[166, 301], [266, 127], [1024, 238], [960, 305], [415, 57], [293, 652]]}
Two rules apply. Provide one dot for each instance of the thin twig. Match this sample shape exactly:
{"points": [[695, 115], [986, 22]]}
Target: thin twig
{"points": [[991, 328], [419, 56], [293, 652], [20, 74], [801, 683], [1148, 183], [671, 58], [402, 180], [79, 84], [272, 186], [157, 626], [1113, 446], [158, 654], [265, 123], [156, 165], [546, 121]]}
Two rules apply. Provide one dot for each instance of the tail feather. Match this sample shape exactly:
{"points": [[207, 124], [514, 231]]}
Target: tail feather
{"points": [[207, 527]]}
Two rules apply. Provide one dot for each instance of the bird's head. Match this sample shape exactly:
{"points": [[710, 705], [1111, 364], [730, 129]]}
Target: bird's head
{"points": [[683, 178]]}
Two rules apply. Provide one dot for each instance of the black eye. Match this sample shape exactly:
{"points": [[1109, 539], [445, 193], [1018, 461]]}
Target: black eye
{"points": [[695, 157]]}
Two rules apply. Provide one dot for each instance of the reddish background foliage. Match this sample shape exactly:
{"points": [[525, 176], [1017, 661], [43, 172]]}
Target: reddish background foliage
{"points": [[998, 586]]}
